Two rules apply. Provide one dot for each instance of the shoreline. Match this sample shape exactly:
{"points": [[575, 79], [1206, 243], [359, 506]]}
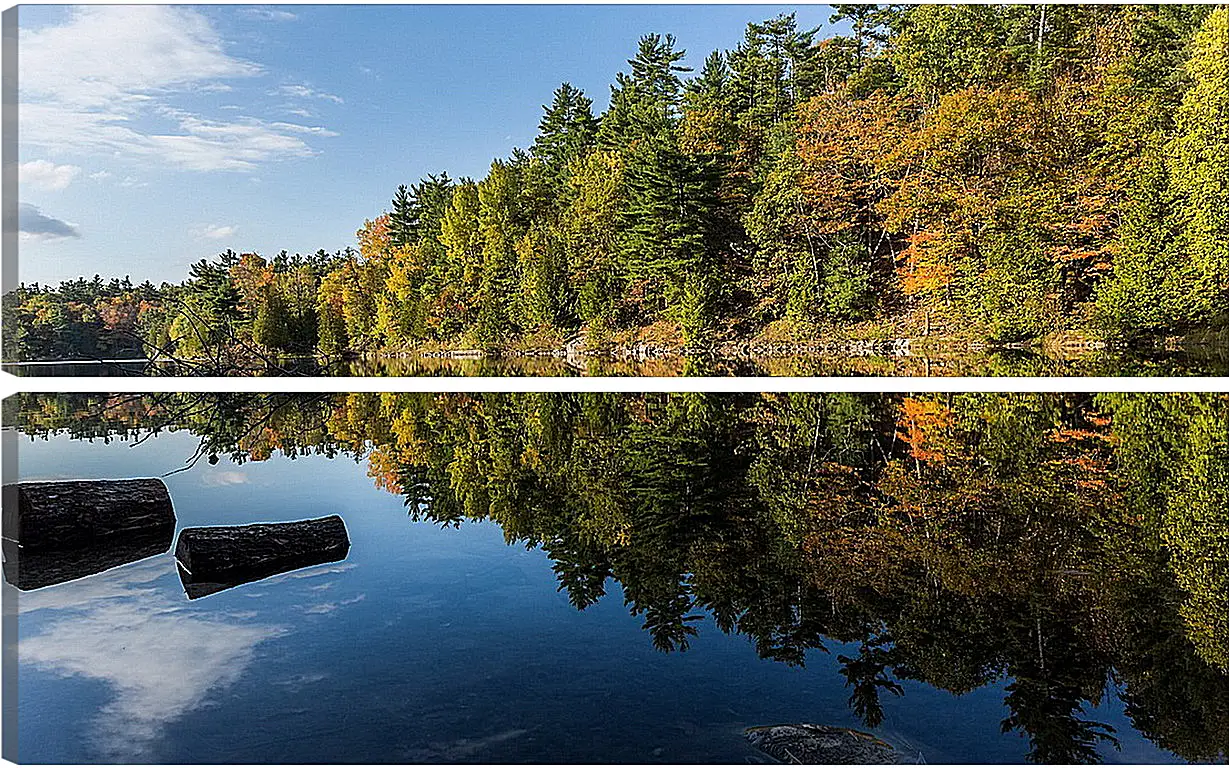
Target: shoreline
{"points": [[752, 349], [1060, 347]]}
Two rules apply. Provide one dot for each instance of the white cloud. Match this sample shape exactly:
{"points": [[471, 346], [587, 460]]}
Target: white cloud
{"points": [[33, 224], [219, 232], [315, 130], [160, 660], [326, 608], [215, 145], [46, 175], [100, 175], [222, 477], [214, 88], [100, 82], [130, 581], [307, 92], [268, 14], [123, 53]]}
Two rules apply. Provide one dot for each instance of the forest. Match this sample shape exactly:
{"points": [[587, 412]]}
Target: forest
{"points": [[1010, 174], [1060, 546]]}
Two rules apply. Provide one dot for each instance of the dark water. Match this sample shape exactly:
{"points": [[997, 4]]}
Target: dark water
{"points": [[80, 368], [638, 578], [1190, 361]]}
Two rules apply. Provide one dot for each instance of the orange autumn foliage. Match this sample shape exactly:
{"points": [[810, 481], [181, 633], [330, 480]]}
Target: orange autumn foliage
{"points": [[923, 422]]}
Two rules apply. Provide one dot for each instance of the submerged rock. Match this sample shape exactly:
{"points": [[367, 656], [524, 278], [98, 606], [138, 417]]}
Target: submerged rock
{"points": [[807, 744]]}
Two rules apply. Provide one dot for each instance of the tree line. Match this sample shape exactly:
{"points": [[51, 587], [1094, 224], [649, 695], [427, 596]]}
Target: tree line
{"points": [[1007, 173], [232, 310]]}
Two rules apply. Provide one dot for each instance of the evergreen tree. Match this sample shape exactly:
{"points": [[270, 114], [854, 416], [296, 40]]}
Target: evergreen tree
{"points": [[401, 224], [773, 70], [210, 282], [667, 228], [868, 22], [647, 99], [655, 71], [709, 89], [428, 200], [566, 131]]}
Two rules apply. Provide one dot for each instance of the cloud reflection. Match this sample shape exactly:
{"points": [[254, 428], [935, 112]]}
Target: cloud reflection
{"points": [[161, 660]]}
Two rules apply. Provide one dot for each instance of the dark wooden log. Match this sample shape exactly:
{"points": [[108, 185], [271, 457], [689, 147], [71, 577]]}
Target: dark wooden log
{"points": [[74, 514], [64, 530], [216, 558]]}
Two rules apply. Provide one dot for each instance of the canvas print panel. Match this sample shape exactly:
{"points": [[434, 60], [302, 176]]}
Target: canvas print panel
{"points": [[609, 190], [619, 578]]}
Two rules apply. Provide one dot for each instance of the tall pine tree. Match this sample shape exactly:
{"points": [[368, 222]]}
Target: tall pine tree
{"points": [[566, 131]]}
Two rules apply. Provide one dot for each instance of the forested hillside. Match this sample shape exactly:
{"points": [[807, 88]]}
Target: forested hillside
{"points": [[1004, 173]]}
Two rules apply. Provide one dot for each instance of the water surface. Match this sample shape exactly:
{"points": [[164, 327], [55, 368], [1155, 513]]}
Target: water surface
{"points": [[637, 578], [1190, 361]]}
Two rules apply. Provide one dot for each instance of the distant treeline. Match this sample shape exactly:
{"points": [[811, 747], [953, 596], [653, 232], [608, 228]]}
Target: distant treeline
{"points": [[233, 307], [1000, 172]]}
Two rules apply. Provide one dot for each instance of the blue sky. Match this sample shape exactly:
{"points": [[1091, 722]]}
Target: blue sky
{"points": [[153, 136]]}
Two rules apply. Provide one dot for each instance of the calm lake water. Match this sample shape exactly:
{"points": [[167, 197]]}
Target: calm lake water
{"points": [[628, 578], [1192, 361]]}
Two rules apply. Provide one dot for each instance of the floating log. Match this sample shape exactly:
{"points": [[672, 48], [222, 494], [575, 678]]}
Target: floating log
{"points": [[216, 558], [63, 530], [66, 514], [807, 744]]}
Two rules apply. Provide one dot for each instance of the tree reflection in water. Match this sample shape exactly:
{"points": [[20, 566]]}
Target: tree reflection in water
{"points": [[1064, 544]]}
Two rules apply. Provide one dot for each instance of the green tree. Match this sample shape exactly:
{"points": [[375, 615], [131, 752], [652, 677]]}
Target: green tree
{"points": [[401, 219], [271, 327], [566, 132], [500, 225], [1199, 168]]}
